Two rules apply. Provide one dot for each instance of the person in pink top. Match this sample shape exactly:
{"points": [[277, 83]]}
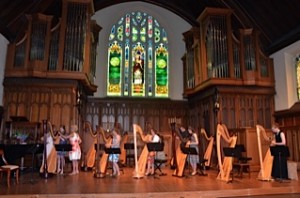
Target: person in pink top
{"points": [[75, 154]]}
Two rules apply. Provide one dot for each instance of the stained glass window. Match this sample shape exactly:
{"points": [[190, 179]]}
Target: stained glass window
{"points": [[138, 58]]}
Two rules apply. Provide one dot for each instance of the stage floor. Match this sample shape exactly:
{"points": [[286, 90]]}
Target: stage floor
{"points": [[86, 185]]}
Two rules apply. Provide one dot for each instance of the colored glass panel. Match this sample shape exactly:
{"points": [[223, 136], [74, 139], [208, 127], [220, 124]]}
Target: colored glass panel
{"points": [[161, 71], [114, 69], [138, 70], [143, 72]]}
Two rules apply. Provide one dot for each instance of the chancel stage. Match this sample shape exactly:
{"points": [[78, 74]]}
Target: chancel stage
{"points": [[86, 185]]}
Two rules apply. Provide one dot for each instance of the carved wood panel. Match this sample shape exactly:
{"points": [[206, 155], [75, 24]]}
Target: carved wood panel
{"points": [[39, 100], [106, 112]]}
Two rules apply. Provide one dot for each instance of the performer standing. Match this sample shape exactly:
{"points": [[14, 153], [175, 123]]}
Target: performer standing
{"points": [[75, 154], [114, 158], [151, 155], [193, 143], [61, 154], [279, 168]]}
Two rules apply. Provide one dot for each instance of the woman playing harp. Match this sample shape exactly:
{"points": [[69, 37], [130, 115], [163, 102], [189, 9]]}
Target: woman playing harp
{"points": [[225, 166], [140, 164], [102, 165], [51, 139], [180, 156], [209, 148], [88, 147], [266, 163]]}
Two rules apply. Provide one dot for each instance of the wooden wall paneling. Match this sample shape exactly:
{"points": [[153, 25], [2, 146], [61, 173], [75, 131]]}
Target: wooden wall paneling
{"points": [[292, 138], [22, 103], [296, 120], [55, 118], [156, 118], [34, 106], [289, 121], [44, 111], [21, 108], [34, 112], [66, 114]]}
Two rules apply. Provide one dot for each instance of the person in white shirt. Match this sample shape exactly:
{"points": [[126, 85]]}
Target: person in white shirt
{"points": [[150, 161]]}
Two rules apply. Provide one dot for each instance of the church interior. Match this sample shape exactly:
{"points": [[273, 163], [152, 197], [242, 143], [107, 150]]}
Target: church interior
{"points": [[225, 70]]}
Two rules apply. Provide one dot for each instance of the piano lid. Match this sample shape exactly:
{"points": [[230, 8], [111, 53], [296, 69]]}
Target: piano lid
{"points": [[18, 118]]}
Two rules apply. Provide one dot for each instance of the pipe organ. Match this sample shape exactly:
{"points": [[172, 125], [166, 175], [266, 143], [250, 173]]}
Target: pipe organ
{"points": [[227, 76], [50, 67]]}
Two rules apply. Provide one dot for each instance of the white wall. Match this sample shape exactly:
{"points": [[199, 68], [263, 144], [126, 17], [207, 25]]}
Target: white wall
{"points": [[174, 26], [285, 76], [3, 47]]}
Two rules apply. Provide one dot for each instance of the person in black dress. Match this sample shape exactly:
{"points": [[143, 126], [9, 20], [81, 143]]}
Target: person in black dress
{"points": [[279, 168]]}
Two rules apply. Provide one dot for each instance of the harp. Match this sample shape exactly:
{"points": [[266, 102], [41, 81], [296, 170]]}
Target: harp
{"points": [[102, 165], [225, 165], [180, 156], [140, 164], [173, 161], [123, 151], [50, 150], [209, 148], [266, 163], [90, 139]]}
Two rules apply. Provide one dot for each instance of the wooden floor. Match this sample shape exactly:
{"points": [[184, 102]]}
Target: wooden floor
{"points": [[85, 185]]}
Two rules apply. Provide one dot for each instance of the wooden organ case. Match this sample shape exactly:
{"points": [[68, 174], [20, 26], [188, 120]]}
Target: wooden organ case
{"points": [[50, 69], [227, 77]]}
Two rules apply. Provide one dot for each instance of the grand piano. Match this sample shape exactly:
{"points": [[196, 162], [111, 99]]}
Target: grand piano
{"points": [[15, 152], [22, 140]]}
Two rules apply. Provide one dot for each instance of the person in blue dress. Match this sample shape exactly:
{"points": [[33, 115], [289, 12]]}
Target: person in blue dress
{"points": [[61, 154], [193, 143], [114, 158]]}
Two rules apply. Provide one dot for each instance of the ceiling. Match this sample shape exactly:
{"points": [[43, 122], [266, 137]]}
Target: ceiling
{"points": [[276, 20]]}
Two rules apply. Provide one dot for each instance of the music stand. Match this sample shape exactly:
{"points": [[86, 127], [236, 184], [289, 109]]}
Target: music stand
{"points": [[189, 151], [111, 151], [232, 152], [129, 156], [155, 147], [63, 147], [101, 147], [242, 149], [280, 152]]}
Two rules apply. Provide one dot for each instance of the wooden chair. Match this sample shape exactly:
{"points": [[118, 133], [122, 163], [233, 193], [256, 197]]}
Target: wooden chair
{"points": [[8, 168]]}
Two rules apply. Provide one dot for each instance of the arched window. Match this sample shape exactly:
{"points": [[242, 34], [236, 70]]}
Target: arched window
{"points": [[138, 58]]}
